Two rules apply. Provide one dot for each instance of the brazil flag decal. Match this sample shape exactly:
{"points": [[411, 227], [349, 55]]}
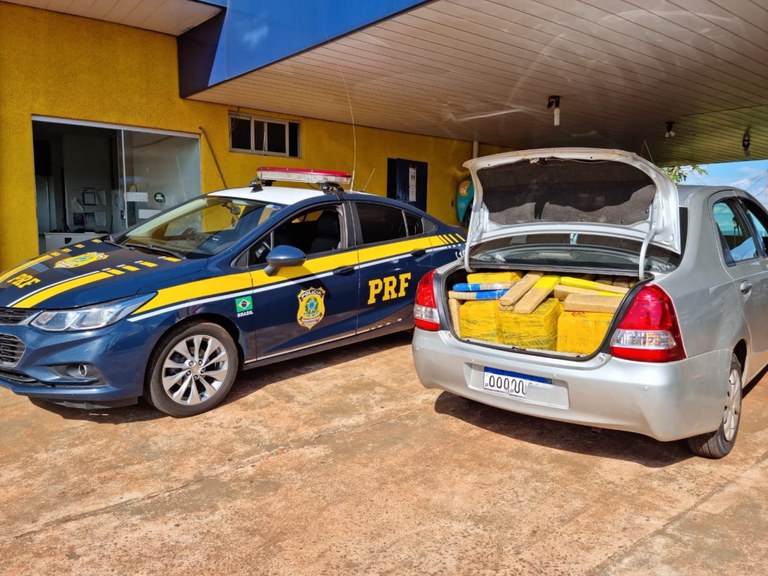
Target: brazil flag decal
{"points": [[244, 306]]}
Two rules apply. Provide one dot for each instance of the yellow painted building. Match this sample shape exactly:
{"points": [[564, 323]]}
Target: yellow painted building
{"points": [[61, 70]]}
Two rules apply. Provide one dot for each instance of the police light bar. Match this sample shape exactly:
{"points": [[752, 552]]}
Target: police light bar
{"points": [[273, 173]]}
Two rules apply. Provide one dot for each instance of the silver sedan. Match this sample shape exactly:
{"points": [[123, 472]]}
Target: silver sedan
{"points": [[594, 291]]}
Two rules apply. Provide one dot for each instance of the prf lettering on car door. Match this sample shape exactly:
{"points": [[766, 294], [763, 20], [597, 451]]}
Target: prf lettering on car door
{"points": [[387, 288]]}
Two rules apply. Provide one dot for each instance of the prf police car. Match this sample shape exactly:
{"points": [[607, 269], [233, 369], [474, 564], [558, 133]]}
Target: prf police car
{"points": [[173, 307]]}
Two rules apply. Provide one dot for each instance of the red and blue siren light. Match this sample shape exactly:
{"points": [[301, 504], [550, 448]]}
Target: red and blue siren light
{"points": [[276, 173]]}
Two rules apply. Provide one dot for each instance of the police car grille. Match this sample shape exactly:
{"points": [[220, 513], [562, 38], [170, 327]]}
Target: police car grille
{"points": [[16, 377], [14, 315], [11, 350]]}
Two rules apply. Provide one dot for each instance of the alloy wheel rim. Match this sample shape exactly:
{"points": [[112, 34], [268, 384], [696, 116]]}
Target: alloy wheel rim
{"points": [[195, 369], [732, 410]]}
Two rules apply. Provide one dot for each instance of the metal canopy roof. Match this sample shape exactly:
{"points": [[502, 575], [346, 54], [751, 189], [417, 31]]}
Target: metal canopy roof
{"points": [[484, 70]]}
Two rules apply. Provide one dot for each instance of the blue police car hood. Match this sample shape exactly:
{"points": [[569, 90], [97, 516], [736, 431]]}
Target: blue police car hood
{"points": [[89, 273]]}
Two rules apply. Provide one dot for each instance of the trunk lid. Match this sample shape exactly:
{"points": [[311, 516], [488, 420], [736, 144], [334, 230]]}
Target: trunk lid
{"points": [[576, 190]]}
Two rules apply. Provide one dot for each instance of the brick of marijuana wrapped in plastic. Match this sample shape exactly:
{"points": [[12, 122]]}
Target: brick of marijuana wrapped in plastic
{"points": [[479, 319], [536, 295], [488, 277], [581, 332], [536, 329]]}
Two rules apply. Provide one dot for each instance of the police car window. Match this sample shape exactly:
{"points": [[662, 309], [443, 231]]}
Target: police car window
{"points": [[381, 223], [312, 232], [414, 223], [200, 228], [738, 243]]}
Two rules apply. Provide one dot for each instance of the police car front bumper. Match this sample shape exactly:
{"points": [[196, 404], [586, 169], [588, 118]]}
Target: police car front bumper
{"points": [[87, 369]]}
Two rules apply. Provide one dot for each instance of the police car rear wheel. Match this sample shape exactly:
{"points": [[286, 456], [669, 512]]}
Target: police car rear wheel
{"points": [[193, 368]]}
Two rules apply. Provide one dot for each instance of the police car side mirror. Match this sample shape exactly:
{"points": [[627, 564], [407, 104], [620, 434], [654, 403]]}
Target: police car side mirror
{"points": [[283, 255]]}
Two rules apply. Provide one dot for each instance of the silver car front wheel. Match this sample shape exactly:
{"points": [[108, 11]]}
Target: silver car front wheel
{"points": [[720, 442], [192, 370]]}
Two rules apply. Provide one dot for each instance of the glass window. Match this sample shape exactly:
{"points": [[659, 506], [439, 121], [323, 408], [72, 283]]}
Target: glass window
{"points": [[312, 232], [240, 133], [759, 221], [737, 240], [200, 228], [381, 223], [263, 136], [414, 223]]}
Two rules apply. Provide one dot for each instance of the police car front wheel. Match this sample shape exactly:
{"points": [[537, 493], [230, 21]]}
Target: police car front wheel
{"points": [[192, 369]]}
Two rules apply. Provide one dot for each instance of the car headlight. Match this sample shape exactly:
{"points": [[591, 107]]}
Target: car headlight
{"points": [[89, 318]]}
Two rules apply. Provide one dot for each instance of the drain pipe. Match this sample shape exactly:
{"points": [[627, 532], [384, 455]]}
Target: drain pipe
{"points": [[215, 160]]}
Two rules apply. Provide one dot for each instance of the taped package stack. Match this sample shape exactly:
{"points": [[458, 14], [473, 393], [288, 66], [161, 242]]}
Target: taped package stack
{"points": [[479, 312], [532, 326], [536, 329], [581, 332], [536, 310]]}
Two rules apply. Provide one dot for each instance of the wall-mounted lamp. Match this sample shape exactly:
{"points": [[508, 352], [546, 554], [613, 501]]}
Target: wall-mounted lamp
{"points": [[555, 101], [670, 132], [745, 142]]}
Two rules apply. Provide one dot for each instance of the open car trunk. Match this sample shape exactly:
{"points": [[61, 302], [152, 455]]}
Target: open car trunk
{"points": [[538, 311], [557, 239]]}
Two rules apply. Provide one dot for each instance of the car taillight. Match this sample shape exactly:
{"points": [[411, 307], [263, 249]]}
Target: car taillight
{"points": [[425, 309], [649, 331]]}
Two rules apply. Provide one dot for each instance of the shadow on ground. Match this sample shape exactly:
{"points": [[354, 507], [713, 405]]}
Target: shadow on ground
{"points": [[247, 383], [564, 436]]}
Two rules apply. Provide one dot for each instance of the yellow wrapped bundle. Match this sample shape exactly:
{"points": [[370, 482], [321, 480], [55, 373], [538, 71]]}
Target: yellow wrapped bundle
{"points": [[492, 277], [592, 285], [479, 319], [537, 329], [581, 332], [537, 294]]}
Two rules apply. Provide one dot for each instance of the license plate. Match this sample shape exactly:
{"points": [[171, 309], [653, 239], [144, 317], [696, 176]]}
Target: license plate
{"points": [[511, 383]]}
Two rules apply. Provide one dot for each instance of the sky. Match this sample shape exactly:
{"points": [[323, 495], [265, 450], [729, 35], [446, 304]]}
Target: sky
{"points": [[751, 176]]}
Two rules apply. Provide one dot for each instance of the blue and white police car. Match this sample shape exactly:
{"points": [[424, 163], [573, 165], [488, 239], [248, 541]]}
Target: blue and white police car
{"points": [[172, 308]]}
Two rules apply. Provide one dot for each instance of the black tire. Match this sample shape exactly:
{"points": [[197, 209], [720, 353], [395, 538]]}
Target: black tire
{"points": [[720, 442], [192, 369]]}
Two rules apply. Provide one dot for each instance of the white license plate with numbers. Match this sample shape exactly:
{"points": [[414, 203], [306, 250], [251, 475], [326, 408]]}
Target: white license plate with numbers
{"points": [[510, 383]]}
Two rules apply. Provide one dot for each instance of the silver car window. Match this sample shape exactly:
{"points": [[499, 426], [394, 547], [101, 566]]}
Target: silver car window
{"points": [[760, 221], [739, 244]]}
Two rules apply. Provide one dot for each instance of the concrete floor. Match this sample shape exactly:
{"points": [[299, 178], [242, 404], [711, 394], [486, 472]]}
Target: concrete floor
{"points": [[343, 464]]}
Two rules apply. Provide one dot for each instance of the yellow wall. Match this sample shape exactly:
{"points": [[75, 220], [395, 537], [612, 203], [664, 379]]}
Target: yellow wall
{"points": [[62, 66]]}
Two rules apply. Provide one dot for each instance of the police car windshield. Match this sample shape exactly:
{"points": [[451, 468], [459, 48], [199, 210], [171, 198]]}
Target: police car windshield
{"points": [[200, 228]]}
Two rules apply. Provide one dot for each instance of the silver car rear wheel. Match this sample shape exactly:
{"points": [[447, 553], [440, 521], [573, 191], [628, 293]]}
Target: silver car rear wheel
{"points": [[192, 370], [720, 442]]}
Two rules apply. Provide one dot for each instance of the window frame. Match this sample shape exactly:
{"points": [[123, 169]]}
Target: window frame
{"points": [[741, 220], [287, 125]]}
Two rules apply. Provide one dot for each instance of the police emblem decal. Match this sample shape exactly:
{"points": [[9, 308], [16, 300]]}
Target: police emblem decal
{"points": [[311, 307], [81, 260]]}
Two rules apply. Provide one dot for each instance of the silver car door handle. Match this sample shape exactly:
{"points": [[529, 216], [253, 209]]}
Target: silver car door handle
{"points": [[746, 288]]}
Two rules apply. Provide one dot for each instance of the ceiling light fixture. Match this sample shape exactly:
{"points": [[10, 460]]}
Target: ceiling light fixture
{"points": [[670, 132], [745, 142], [555, 101]]}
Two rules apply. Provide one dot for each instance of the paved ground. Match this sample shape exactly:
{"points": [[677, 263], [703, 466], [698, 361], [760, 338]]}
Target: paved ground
{"points": [[344, 464]]}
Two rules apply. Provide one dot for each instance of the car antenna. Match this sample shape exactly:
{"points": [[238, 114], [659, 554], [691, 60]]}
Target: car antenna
{"points": [[369, 179], [354, 132]]}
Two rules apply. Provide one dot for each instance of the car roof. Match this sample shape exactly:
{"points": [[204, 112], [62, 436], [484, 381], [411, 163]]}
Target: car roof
{"points": [[687, 192], [284, 195]]}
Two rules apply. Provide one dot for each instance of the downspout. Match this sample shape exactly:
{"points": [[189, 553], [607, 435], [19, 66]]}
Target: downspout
{"points": [[215, 161]]}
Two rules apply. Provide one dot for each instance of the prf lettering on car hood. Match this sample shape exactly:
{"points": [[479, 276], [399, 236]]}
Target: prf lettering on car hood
{"points": [[388, 287], [23, 280]]}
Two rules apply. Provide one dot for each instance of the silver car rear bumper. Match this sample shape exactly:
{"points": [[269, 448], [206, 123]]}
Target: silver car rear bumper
{"points": [[666, 401]]}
